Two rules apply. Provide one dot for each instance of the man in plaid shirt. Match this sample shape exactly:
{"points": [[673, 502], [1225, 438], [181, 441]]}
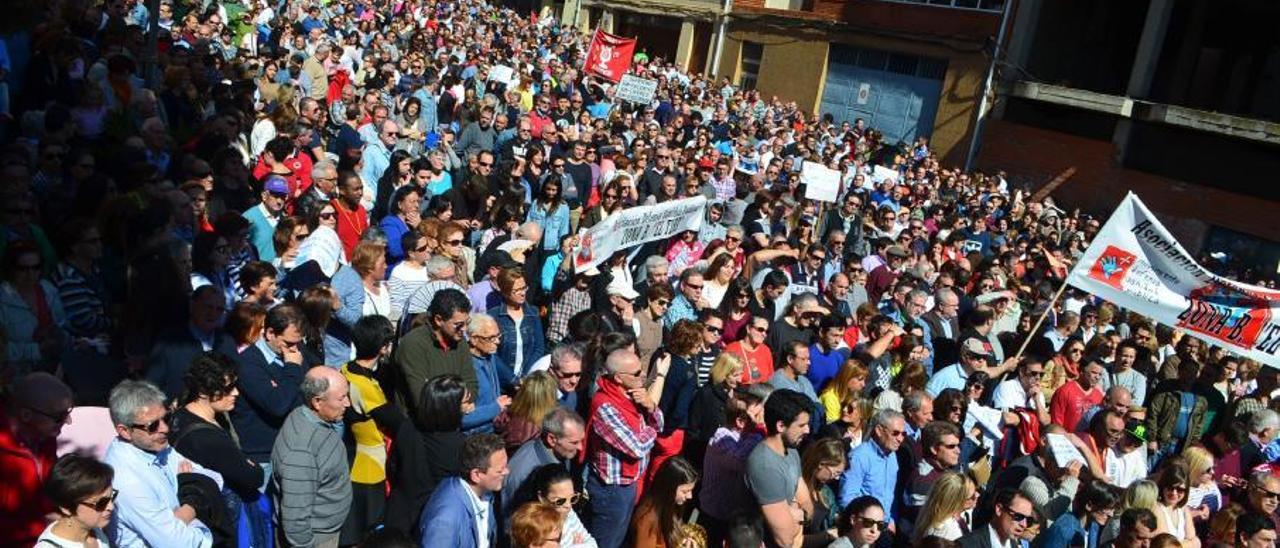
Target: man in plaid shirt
{"points": [[623, 424]]}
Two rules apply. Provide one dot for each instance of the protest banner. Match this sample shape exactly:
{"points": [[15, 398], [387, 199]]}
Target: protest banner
{"points": [[1136, 263], [609, 56], [820, 182], [635, 226], [636, 89]]}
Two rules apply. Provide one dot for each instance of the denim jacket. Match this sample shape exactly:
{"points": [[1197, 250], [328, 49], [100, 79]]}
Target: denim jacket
{"points": [[555, 224], [532, 339]]}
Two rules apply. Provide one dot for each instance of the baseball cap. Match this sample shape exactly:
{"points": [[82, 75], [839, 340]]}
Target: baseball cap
{"points": [[620, 288], [977, 347], [275, 184], [897, 251], [1136, 428]]}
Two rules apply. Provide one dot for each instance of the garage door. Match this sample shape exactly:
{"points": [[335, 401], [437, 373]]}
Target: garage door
{"points": [[896, 94]]}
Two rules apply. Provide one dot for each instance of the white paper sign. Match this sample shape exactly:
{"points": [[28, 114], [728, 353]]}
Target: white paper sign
{"points": [[881, 173], [636, 89], [1063, 451], [821, 182], [501, 73], [864, 93]]}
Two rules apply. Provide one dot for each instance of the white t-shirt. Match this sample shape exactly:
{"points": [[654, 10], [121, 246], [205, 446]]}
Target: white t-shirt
{"points": [[49, 540], [1010, 394]]}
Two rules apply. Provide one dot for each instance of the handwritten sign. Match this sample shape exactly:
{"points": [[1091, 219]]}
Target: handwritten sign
{"points": [[820, 182], [1063, 451], [635, 89]]}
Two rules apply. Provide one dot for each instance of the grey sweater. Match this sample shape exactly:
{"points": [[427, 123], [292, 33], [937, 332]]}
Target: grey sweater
{"points": [[310, 478]]}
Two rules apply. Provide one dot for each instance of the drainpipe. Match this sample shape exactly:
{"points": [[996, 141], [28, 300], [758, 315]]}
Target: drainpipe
{"points": [[724, 28], [976, 140]]}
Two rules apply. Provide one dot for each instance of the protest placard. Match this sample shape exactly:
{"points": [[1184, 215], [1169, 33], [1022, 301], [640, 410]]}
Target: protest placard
{"points": [[635, 89], [820, 182]]}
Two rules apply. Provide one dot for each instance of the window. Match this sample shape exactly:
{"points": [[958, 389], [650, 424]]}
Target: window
{"points": [[983, 5], [751, 55]]}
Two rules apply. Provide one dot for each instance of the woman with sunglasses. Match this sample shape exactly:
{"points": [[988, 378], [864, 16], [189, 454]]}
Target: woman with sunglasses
{"points": [[201, 428], [552, 484], [1065, 365], [30, 311], [80, 488], [861, 524], [1172, 514], [735, 310]]}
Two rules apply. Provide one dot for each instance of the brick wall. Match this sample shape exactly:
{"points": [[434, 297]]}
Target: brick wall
{"points": [[1033, 155]]}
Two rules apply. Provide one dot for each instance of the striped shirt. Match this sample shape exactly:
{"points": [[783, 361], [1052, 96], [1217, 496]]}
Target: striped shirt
{"points": [[84, 299]]}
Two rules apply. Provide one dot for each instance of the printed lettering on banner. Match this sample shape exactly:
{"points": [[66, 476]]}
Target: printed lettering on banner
{"points": [[1136, 263], [636, 226], [821, 182], [635, 89]]}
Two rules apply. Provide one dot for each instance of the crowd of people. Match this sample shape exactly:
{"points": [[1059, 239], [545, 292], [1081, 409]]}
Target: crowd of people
{"points": [[306, 278]]}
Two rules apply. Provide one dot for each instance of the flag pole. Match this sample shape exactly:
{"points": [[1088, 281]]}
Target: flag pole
{"points": [[1039, 321]]}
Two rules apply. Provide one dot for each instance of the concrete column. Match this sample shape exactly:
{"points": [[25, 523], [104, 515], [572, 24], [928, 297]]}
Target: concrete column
{"points": [[1021, 39], [1144, 66], [606, 20], [578, 9], [684, 47]]}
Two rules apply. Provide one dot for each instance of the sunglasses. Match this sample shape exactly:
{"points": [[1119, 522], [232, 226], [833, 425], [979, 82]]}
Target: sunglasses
{"points": [[662, 302], [714, 329], [328, 215], [868, 523], [300, 237], [453, 242], [562, 501], [1020, 517], [101, 504], [564, 375], [153, 426], [57, 418]]}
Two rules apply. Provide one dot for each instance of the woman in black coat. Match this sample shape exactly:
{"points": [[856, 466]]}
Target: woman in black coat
{"points": [[707, 413], [426, 449]]}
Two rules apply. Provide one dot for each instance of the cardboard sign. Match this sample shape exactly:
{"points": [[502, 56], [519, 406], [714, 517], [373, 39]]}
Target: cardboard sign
{"points": [[820, 182], [635, 89]]}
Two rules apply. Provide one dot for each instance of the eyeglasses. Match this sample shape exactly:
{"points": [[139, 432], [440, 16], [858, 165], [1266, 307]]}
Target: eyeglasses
{"points": [[327, 215], [57, 418], [490, 338], [101, 504], [153, 426], [662, 302], [453, 242], [694, 287], [562, 501], [1019, 516], [300, 237], [868, 523], [714, 329]]}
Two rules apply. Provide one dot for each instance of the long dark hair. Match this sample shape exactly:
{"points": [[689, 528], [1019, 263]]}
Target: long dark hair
{"points": [[661, 496], [440, 404], [554, 204]]}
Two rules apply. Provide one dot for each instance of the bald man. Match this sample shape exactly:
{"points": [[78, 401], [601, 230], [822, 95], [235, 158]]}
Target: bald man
{"points": [[309, 464], [40, 405]]}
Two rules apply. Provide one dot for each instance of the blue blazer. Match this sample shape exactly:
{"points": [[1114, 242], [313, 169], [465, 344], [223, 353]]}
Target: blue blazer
{"points": [[448, 519]]}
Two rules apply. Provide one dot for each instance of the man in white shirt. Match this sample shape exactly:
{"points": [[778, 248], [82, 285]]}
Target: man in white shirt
{"points": [[1127, 460], [1024, 390]]}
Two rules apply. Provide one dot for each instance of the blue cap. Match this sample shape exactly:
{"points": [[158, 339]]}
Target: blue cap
{"points": [[276, 184]]}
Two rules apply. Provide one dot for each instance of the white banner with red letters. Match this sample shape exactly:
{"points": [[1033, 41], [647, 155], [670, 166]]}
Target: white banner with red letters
{"points": [[1136, 263], [637, 225]]}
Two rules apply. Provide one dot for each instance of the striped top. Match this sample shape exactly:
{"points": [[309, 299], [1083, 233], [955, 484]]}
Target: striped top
{"points": [[311, 477], [84, 298]]}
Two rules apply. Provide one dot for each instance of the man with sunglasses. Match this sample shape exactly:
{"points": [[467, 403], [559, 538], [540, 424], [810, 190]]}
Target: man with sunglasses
{"points": [[436, 348], [264, 216], [148, 512], [39, 406], [1013, 513], [1024, 390], [1263, 495]]}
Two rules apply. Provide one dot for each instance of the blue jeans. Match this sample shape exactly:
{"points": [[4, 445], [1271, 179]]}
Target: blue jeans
{"points": [[610, 515]]}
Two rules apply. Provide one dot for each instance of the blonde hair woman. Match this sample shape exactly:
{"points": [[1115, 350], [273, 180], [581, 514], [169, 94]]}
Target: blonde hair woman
{"points": [[1205, 498], [847, 384], [1141, 494], [944, 504], [522, 421], [707, 411]]}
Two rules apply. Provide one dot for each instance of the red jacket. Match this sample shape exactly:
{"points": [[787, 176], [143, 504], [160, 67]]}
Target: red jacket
{"points": [[23, 471]]}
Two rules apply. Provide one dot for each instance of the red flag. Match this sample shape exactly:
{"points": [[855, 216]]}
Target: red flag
{"points": [[609, 56]]}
